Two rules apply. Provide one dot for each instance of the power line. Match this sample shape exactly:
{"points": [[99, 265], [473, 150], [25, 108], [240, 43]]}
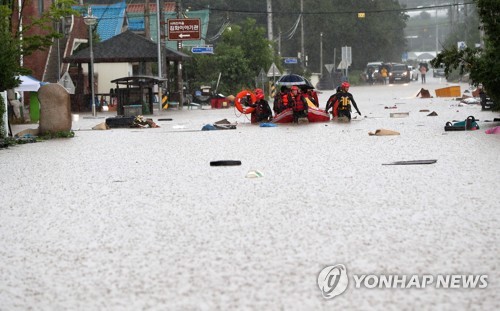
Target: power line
{"points": [[257, 12]]}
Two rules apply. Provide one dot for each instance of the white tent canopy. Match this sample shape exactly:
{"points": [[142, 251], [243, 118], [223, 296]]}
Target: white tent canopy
{"points": [[28, 84]]}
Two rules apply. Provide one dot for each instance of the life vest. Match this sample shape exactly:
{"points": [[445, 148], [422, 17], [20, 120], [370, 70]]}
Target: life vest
{"points": [[344, 103], [284, 100], [313, 97], [299, 104]]}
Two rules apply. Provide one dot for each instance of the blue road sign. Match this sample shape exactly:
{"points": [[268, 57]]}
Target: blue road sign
{"points": [[203, 50], [291, 60]]}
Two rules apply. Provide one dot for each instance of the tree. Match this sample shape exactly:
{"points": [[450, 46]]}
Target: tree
{"points": [[378, 36], [9, 53], [483, 64], [238, 56], [16, 43]]}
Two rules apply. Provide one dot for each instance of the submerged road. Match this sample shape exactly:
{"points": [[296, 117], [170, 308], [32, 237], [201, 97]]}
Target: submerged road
{"points": [[131, 219]]}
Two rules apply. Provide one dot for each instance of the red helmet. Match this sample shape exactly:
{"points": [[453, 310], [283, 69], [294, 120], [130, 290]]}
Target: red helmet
{"points": [[294, 87], [345, 85], [259, 94]]}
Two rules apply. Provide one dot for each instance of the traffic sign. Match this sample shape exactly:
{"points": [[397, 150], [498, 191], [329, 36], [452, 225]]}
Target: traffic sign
{"points": [[347, 55], [203, 50], [273, 71], [291, 60], [329, 67], [181, 29], [262, 76]]}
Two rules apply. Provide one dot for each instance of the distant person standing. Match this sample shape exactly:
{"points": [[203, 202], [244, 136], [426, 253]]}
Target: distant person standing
{"points": [[370, 73], [383, 74], [423, 71]]}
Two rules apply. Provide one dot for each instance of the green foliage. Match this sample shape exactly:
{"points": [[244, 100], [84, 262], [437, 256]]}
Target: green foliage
{"points": [[12, 47], [355, 77], [378, 36], [9, 53], [59, 134], [12, 141], [482, 64], [45, 23]]}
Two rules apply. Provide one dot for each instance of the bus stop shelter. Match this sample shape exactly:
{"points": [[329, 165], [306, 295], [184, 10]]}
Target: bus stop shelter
{"points": [[136, 93]]}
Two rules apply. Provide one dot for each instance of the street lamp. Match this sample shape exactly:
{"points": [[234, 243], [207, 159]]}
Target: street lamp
{"points": [[321, 54], [90, 20]]}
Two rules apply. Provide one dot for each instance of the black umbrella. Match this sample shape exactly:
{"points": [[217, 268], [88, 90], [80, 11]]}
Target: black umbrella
{"points": [[293, 79]]}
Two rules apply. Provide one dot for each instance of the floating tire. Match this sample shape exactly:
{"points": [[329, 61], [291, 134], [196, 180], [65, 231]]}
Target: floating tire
{"points": [[225, 163]]}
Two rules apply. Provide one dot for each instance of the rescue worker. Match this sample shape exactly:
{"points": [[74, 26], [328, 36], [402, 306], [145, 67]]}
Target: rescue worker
{"points": [[262, 112], [343, 100], [333, 102], [247, 100], [299, 104], [281, 100], [309, 93]]}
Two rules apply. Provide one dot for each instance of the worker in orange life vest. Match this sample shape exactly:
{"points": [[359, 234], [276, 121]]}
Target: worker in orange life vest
{"points": [[299, 104], [281, 100], [309, 92]]}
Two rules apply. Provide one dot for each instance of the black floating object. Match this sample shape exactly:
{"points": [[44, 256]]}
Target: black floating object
{"points": [[225, 163], [120, 122], [412, 162], [451, 128], [166, 119]]}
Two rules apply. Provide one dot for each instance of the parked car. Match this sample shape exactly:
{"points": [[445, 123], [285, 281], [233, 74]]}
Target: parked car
{"points": [[399, 73], [439, 71], [372, 67], [413, 73]]}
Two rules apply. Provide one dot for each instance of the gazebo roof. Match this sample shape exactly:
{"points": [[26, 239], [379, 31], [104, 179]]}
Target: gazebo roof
{"points": [[139, 80], [123, 48]]}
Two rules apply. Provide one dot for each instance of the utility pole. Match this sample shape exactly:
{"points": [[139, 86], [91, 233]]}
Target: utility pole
{"points": [[452, 14], [321, 54], [147, 32], [437, 28], [179, 63], [302, 52], [465, 23], [269, 20], [279, 43], [158, 38]]}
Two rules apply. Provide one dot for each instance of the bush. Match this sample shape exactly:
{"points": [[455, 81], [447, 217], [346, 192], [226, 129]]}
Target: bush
{"points": [[355, 77]]}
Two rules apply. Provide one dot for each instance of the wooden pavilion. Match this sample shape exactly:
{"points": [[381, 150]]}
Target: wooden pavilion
{"points": [[126, 47]]}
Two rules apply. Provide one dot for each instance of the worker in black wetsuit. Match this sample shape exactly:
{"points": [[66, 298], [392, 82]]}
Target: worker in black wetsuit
{"points": [[262, 112], [340, 103]]}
